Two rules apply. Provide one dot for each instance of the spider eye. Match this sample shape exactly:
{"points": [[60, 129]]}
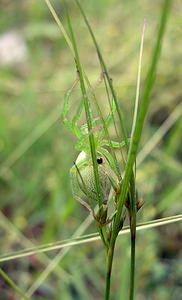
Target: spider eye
{"points": [[99, 160]]}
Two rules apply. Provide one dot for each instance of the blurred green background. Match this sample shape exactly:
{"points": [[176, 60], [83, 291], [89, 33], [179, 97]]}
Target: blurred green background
{"points": [[37, 151]]}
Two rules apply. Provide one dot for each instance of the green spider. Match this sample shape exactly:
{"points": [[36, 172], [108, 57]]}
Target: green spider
{"points": [[82, 173]]}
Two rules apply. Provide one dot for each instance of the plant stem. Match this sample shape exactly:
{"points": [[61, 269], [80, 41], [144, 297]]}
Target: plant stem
{"points": [[103, 236], [13, 285], [132, 265], [110, 255]]}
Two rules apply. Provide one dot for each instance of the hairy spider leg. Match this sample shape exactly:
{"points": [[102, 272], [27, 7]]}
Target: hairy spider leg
{"points": [[110, 116], [114, 144], [76, 118], [65, 112]]}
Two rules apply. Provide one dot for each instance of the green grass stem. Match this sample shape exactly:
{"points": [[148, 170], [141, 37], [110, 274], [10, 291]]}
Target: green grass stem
{"points": [[141, 116], [13, 285], [89, 118], [136, 138], [105, 72]]}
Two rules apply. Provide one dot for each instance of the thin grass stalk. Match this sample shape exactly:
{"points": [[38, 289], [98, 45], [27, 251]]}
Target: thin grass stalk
{"points": [[133, 197], [114, 122], [13, 285], [142, 113], [59, 23], [115, 127], [88, 238], [87, 108], [132, 216], [99, 111], [133, 251], [56, 18], [106, 133], [138, 129], [105, 71], [102, 231], [72, 45], [109, 263]]}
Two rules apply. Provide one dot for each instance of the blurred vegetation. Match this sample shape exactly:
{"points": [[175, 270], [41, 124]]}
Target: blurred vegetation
{"points": [[37, 151]]}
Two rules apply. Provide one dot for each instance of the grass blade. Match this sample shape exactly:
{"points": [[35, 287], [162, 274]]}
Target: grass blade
{"points": [[133, 209], [133, 147], [13, 285], [105, 71], [142, 113]]}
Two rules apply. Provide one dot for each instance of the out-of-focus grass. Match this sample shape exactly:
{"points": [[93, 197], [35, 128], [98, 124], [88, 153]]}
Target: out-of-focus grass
{"points": [[35, 190]]}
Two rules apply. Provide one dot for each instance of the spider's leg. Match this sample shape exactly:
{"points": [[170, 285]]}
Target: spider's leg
{"points": [[82, 202], [109, 118], [71, 125], [114, 144], [75, 126], [66, 110], [76, 118]]}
